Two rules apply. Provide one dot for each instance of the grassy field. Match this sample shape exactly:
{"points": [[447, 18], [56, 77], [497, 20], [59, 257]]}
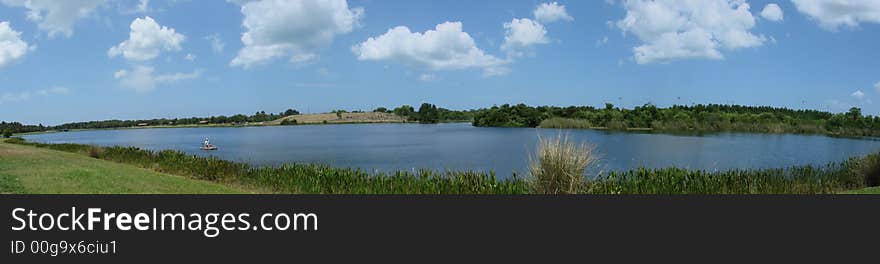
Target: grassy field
{"points": [[26, 169]]}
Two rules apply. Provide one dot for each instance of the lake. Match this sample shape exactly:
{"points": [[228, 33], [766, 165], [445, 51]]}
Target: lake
{"points": [[388, 147]]}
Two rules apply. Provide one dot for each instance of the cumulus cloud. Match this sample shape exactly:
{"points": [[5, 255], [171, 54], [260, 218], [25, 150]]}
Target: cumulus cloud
{"points": [[189, 57], [772, 12], [446, 47], [141, 78], [832, 14], [296, 29], [12, 47], [551, 12], [25, 95], [858, 94], [522, 33], [672, 29], [55, 16], [146, 39]]}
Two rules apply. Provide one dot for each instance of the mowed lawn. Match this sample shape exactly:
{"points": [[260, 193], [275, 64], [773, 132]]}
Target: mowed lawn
{"points": [[31, 170]]}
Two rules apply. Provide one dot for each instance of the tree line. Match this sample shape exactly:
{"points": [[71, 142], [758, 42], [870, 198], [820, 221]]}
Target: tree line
{"points": [[696, 118]]}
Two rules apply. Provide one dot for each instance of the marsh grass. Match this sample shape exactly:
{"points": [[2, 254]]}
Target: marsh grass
{"points": [[559, 164]]}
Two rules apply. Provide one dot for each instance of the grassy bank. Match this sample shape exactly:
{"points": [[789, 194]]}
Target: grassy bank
{"points": [[850, 175], [25, 169]]}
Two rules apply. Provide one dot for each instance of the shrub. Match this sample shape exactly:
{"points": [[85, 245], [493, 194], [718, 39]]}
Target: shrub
{"points": [[7, 133], [559, 165], [96, 152], [288, 122]]}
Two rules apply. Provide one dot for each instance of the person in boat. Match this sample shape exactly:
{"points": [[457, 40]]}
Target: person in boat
{"points": [[207, 144]]}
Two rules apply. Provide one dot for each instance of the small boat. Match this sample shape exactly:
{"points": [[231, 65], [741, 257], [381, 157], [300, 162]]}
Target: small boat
{"points": [[209, 147]]}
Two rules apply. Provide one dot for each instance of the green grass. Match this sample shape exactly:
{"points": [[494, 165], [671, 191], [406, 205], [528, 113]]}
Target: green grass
{"points": [[26, 169], [871, 190]]}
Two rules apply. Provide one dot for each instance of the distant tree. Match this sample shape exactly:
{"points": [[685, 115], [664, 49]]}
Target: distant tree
{"points": [[339, 113], [428, 114], [380, 110], [7, 133], [404, 111], [290, 112]]}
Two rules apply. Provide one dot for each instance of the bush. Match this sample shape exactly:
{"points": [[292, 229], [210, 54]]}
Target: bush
{"points": [[96, 152], [559, 165], [288, 122], [7, 133]]}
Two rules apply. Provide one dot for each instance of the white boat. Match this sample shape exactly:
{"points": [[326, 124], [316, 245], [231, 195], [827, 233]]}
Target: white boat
{"points": [[209, 147]]}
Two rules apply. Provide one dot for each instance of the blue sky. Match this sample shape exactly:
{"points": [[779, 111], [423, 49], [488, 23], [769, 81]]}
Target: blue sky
{"points": [[64, 61]]}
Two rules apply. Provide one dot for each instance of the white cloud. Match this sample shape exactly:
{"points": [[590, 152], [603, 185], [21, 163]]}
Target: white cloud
{"points": [[189, 57], [146, 39], [295, 29], [56, 16], [217, 44], [672, 29], [446, 47], [858, 94], [25, 95], [522, 33], [772, 12], [141, 78], [832, 14], [551, 12], [12, 47], [877, 87]]}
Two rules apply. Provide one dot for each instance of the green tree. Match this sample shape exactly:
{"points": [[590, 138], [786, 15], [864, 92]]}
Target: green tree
{"points": [[428, 114], [7, 133], [404, 111], [290, 112], [380, 110]]}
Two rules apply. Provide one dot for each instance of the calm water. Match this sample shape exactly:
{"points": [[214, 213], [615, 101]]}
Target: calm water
{"points": [[387, 147]]}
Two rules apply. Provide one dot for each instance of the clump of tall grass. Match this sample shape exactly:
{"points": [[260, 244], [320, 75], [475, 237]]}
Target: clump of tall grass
{"points": [[869, 170], [559, 165], [561, 122]]}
